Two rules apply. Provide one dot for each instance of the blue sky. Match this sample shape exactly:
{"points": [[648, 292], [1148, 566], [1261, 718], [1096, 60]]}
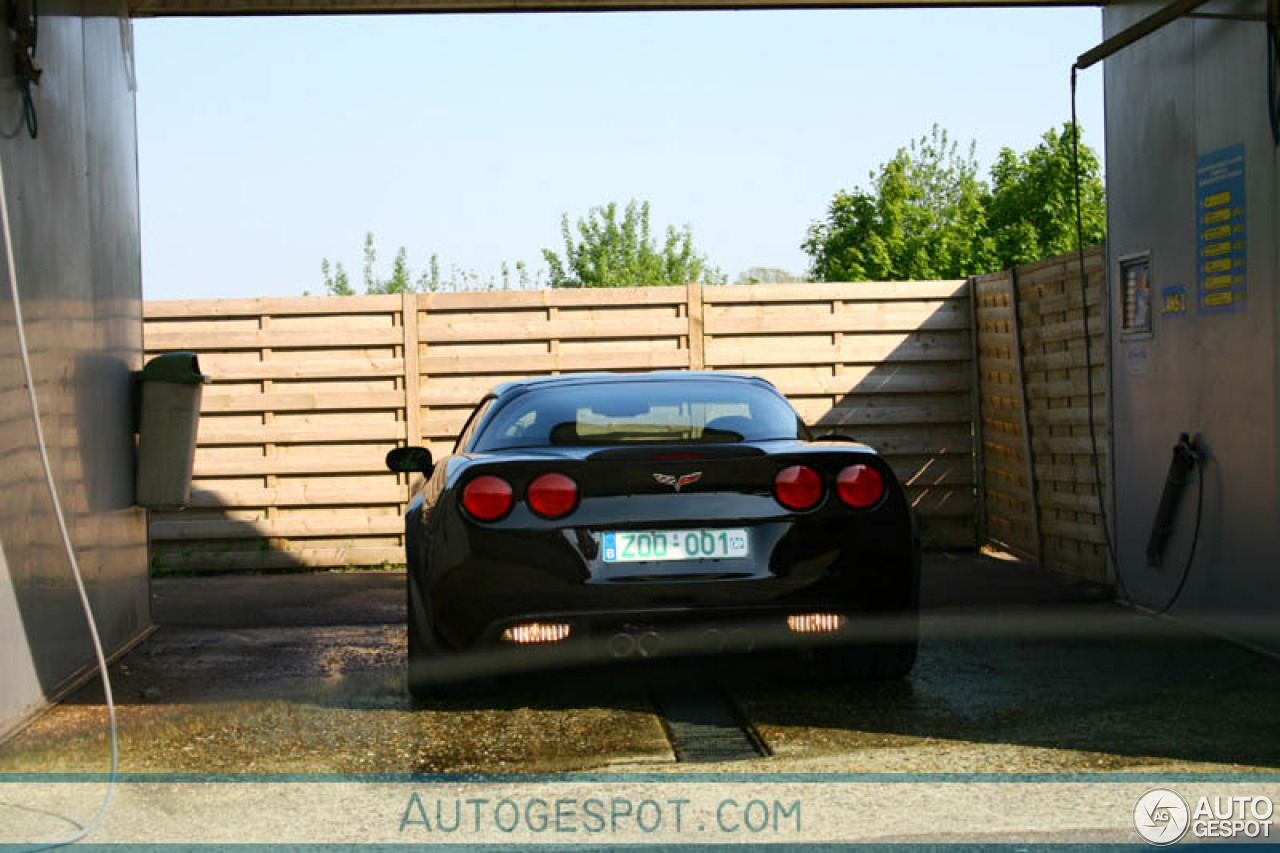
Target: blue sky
{"points": [[269, 143]]}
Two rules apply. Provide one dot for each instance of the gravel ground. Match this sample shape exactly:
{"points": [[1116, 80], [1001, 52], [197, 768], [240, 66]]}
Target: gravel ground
{"points": [[328, 700], [1147, 696]]}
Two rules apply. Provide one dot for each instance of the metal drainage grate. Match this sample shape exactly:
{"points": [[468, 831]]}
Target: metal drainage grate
{"points": [[704, 726]]}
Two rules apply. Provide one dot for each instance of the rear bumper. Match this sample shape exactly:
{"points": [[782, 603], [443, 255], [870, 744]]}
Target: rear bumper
{"points": [[474, 583], [624, 619], [680, 632], [597, 638]]}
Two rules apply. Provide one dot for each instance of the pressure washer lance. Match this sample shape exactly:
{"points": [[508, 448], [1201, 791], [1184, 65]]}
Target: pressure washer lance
{"points": [[1185, 459]]}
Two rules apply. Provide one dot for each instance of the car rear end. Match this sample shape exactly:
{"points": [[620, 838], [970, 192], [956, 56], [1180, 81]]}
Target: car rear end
{"points": [[641, 548]]}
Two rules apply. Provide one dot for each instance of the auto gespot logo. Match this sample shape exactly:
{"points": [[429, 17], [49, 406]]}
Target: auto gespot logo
{"points": [[1163, 817]]}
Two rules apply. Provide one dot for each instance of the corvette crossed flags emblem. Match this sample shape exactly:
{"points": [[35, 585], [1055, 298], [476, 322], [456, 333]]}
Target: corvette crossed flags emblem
{"points": [[678, 482]]}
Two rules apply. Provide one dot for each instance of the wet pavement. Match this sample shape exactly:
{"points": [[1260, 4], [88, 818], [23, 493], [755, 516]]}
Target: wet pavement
{"points": [[1019, 671]]}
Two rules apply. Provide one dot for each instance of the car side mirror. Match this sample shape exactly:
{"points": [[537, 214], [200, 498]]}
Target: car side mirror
{"points": [[410, 460]]}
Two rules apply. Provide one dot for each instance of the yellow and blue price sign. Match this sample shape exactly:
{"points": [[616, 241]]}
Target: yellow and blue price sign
{"points": [[1221, 230]]}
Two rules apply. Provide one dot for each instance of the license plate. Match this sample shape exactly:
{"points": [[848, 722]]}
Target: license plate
{"points": [[647, 546]]}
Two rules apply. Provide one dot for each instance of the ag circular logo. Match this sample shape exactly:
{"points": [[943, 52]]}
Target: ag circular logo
{"points": [[1161, 816]]}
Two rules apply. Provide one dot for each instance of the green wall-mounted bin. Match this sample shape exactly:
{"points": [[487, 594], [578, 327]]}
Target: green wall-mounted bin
{"points": [[172, 386]]}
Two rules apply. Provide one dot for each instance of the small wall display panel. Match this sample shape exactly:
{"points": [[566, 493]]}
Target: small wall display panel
{"points": [[1135, 301]]}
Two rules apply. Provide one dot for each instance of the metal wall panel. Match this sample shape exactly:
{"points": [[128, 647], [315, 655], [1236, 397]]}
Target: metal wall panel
{"points": [[73, 199], [1190, 89]]}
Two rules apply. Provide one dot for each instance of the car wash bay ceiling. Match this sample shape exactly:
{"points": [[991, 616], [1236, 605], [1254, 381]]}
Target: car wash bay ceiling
{"points": [[158, 8]]}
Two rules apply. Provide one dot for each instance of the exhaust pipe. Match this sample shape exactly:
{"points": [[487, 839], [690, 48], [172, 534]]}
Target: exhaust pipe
{"points": [[622, 645], [649, 644], [713, 640]]}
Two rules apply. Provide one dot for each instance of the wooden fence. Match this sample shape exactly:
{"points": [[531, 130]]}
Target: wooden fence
{"points": [[308, 394], [1039, 487]]}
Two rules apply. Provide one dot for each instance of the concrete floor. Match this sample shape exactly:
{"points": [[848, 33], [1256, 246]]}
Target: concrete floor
{"points": [[1019, 671]]}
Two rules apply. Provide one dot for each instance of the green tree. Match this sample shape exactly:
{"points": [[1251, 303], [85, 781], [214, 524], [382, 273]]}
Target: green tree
{"points": [[430, 278], [767, 275], [613, 252], [336, 282], [400, 281], [1031, 211], [923, 218], [370, 259]]}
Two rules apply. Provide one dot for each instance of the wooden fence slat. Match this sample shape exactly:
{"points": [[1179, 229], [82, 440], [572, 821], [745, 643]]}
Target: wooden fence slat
{"points": [[1065, 359], [959, 413], [469, 365], [858, 291], [277, 401], [211, 434], [1072, 416], [856, 383], [288, 496], [176, 528], [1070, 474], [274, 306], [942, 502], [1065, 265], [1083, 532], [185, 560], [309, 370], [315, 463], [1067, 330], [443, 329], [568, 297], [1078, 387], [857, 317], [853, 349], [1073, 502], [162, 341]]}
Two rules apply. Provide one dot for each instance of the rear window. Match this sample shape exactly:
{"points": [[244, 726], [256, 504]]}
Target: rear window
{"points": [[641, 413]]}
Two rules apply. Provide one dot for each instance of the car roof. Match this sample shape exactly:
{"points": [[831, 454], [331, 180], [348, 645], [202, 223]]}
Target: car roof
{"points": [[567, 379]]}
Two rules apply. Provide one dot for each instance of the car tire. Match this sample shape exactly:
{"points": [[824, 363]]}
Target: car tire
{"points": [[425, 649], [880, 662], [419, 660], [421, 650]]}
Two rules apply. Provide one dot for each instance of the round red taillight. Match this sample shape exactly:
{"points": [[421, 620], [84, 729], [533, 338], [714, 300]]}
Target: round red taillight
{"points": [[798, 487], [552, 495], [860, 486], [487, 497]]}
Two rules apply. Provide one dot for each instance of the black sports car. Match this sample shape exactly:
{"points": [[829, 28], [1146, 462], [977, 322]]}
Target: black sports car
{"points": [[619, 515]]}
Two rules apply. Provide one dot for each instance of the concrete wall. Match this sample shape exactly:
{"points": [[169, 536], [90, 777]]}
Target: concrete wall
{"points": [[1193, 88], [73, 198]]}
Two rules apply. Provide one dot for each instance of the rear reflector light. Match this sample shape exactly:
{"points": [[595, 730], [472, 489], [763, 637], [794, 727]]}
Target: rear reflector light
{"points": [[860, 486], [798, 487], [536, 632], [815, 623], [487, 497], [552, 495]]}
